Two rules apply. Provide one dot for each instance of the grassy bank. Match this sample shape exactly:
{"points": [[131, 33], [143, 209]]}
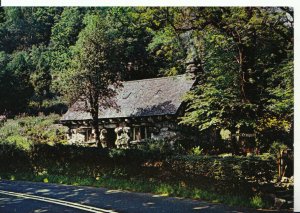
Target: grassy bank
{"points": [[178, 189]]}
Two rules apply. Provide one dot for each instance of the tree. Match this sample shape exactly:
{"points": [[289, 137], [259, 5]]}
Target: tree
{"points": [[40, 77], [166, 47], [245, 56], [133, 30], [240, 52], [67, 27], [15, 87], [24, 27], [242, 47], [94, 74]]}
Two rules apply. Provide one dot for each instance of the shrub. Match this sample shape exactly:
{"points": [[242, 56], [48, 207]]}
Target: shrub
{"points": [[91, 161], [276, 147], [117, 153], [190, 175], [232, 169], [26, 131], [155, 148], [48, 106], [159, 149], [20, 141], [196, 151], [13, 158], [256, 202]]}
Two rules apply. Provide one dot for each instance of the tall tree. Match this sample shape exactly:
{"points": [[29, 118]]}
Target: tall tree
{"points": [[64, 34], [24, 27], [134, 31], [166, 47], [16, 89], [94, 74], [40, 77], [241, 47]]}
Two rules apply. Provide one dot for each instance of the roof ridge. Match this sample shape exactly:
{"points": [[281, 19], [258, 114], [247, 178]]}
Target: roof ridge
{"points": [[152, 79]]}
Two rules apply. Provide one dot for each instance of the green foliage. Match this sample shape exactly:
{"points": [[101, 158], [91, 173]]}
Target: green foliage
{"points": [[20, 141], [94, 62], [244, 55], [94, 167], [24, 27], [257, 202], [247, 70], [157, 148], [41, 78], [150, 150], [166, 46], [231, 169], [27, 131], [277, 147], [64, 34], [67, 27], [14, 158], [228, 179], [14, 78], [196, 151], [117, 153], [48, 106]]}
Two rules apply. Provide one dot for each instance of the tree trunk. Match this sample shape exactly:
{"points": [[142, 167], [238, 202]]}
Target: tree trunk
{"points": [[97, 132], [95, 116], [235, 140]]}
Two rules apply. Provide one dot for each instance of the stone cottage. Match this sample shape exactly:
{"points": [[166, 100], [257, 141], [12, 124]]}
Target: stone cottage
{"points": [[146, 109]]}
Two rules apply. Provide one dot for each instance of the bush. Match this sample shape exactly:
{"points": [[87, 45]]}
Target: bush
{"points": [[20, 141], [276, 147], [13, 158], [196, 151], [155, 148], [26, 131], [91, 161], [69, 160], [257, 202], [187, 173], [232, 169], [48, 106]]}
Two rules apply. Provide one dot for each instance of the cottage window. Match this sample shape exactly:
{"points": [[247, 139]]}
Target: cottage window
{"points": [[70, 133], [87, 135], [139, 133]]}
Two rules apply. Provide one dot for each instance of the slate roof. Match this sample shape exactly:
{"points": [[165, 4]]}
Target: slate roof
{"points": [[147, 97]]}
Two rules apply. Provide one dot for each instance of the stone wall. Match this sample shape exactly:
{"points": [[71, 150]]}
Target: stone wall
{"points": [[164, 130]]}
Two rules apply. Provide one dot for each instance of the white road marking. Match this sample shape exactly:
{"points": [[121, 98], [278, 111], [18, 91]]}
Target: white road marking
{"points": [[59, 202]]}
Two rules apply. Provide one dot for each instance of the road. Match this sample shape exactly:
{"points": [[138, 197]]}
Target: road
{"points": [[25, 197]]}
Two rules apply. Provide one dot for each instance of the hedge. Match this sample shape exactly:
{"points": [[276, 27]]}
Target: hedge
{"points": [[259, 168], [92, 162]]}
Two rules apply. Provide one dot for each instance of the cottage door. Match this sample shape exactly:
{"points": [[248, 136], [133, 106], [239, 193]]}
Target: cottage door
{"points": [[111, 137]]}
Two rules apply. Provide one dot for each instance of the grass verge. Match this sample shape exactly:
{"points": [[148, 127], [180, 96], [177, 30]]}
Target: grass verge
{"points": [[146, 186]]}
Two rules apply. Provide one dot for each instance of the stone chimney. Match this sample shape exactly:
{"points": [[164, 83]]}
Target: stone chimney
{"points": [[191, 67]]}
